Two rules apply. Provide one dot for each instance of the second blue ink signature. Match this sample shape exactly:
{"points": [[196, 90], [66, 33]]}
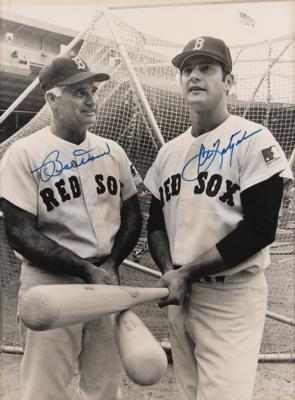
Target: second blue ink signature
{"points": [[205, 157], [52, 165]]}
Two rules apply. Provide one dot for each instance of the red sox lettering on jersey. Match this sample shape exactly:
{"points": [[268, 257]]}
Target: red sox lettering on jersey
{"points": [[53, 197], [76, 190], [199, 181], [63, 191], [211, 185]]}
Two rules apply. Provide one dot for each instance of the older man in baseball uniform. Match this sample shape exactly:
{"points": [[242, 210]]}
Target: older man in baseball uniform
{"points": [[71, 210], [216, 194]]}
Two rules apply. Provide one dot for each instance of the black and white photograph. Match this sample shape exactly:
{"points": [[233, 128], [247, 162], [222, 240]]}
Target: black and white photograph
{"points": [[147, 200]]}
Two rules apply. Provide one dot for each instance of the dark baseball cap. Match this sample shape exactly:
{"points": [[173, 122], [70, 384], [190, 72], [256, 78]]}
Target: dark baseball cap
{"points": [[206, 46], [63, 71]]}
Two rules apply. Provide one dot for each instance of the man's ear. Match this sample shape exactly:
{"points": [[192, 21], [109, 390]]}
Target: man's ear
{"points": [[50, 98], [229, 81]]}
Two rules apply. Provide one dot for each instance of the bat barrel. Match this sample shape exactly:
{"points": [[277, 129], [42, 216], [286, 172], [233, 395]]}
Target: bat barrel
{"points": [[143, 358], [52, 306]]}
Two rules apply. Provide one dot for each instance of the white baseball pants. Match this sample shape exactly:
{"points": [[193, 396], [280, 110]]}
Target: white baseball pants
{"points": [[216, 336], [50, 357]]}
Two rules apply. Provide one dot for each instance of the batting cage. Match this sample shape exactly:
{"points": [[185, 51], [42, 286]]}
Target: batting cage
{"points": [[141, 107]]}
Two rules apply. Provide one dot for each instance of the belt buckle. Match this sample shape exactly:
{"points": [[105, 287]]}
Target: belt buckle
{"points": [[208, 279]]}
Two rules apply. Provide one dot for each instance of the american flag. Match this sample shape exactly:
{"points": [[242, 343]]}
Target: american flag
{"points": [[246, 19]]}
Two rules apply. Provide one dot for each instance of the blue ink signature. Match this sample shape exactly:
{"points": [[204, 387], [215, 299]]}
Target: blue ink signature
{"points": [[205, 157], [52, 166]]}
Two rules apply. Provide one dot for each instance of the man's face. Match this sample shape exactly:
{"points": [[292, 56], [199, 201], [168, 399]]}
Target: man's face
{"points": [[76, 107], [202, 83]]}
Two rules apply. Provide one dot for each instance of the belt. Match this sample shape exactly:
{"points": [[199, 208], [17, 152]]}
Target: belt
{"points": [[212, 279]]}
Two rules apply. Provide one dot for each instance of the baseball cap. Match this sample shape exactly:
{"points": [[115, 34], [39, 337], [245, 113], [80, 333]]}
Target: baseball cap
{"points": [[63, 71], [207, 46]]}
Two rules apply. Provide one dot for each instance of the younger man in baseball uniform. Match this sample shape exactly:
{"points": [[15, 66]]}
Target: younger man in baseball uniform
{"points": [[216, 194], [71, 209]]}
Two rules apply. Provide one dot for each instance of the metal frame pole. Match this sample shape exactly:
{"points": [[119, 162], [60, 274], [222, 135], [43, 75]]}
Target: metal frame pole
{"points": [[35, 82], [157, 274], [133, 76]]}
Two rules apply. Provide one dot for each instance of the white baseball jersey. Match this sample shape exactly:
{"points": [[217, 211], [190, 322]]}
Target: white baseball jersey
{"points": [[75, 190], [199, 182]]}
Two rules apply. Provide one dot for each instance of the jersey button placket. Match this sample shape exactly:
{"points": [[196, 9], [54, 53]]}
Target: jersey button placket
{"points": [[88, 190], [183, 216]]}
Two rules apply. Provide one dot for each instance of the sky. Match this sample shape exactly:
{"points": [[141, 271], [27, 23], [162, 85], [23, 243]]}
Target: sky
{"points": [[178, 23]]}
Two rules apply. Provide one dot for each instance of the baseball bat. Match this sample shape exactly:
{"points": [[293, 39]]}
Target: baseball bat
{"points": [[143, 358], [52, 306]]}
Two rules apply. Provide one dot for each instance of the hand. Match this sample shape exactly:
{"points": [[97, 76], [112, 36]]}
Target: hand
{"points": [[112, 270], [177, 283], [104, 274]]}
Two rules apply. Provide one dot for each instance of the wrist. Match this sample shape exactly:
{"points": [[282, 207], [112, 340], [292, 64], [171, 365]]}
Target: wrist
{"points": [[166, 268], [87, 271], [185, 273], [110, 262]]}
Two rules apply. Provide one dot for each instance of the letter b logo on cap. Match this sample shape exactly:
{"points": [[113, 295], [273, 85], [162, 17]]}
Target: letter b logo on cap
{"points": [[79, 63], [199, 43]]}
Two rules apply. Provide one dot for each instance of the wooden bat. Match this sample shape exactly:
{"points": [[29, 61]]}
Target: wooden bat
{"points": [[143, 358], [52, 306]]}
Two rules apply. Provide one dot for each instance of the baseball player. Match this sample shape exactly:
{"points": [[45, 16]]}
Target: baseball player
{"points": [[71, 210], [216, 193]]}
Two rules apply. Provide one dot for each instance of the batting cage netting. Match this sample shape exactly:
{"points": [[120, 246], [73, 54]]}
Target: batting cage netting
{"points": [[140, 108]]}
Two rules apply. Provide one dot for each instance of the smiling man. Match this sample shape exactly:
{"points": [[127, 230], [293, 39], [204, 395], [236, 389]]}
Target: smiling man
{"points": [[71, 209], [216, 194]]}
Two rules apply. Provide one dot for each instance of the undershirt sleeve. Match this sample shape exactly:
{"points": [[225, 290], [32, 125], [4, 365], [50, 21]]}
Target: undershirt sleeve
{"points": [[261, 205], [156, 220]]}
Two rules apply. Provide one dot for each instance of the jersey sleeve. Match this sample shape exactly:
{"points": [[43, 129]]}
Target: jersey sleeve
{"points": [[130, 177], [135, 174], [17, 184], [151, 180], [262, 158]]}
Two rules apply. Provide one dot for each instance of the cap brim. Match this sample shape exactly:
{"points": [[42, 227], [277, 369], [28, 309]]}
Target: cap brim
{"points": [[82, 76], [178, 60]]}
